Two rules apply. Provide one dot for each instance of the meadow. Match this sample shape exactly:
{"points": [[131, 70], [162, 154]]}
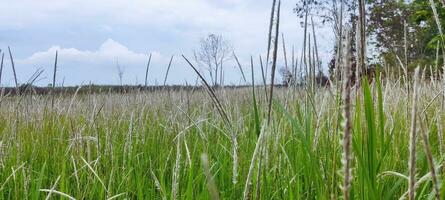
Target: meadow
{"points": [[177, 145], [362, 134]]}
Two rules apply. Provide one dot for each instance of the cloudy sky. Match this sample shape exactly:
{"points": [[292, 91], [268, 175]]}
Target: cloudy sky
{"points": [[92, 35]]}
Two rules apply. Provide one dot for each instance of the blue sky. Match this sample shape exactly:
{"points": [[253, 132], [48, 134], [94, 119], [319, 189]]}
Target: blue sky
{"points": [[91, 35]]}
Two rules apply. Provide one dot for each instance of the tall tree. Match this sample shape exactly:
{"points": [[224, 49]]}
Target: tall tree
{"points": [[335, 13], [405, 30]]}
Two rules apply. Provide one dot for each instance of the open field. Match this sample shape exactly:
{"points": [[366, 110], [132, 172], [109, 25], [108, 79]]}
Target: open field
{"points": [[367, 124], [177, 145]]}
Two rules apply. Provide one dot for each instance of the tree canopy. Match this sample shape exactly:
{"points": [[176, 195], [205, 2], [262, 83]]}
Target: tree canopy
{"points": [[397, 30]]}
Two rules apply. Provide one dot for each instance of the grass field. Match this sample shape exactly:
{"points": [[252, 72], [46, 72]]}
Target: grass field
{"points": [[371, 136], [178, 144]]}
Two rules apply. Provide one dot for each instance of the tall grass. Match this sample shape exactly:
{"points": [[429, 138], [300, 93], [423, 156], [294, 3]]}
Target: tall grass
{"points": [[218, 143], [103, 145]]}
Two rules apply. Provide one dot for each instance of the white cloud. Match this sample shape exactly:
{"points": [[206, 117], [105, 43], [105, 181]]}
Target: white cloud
{"points": [[98, 66], [110, 50]]}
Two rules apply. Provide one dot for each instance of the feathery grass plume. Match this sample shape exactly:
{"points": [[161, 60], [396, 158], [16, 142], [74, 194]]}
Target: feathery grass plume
{"points": [[338, 34], [274, 63], [146, 70], [168, 70], [430, 159], [239, 66], [54, 81], [412, 139], [234, 141], [15, 74], [177, 168], [347, 134], [1, 68], [211, 185], [247, 188]]}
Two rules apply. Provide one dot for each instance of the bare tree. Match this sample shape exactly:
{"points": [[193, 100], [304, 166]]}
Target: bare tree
{"points": [[214, 51], [120, 72], [287, 76]]}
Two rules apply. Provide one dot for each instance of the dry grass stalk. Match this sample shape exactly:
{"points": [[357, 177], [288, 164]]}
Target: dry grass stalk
{"points": [[301, 64], [263, 75], [212, 94], [304, 57], [440, 133], [429, 157], [54, 80], [274, 63], [412, 140], [294, 67], [1, 68], [239, 66], [318, 63], [436, 61], [225, 118], [311, 69], [168, 70], [405, 41], [362, 24], [146, 71], [269, 40], [284, 52], [15, 74]]}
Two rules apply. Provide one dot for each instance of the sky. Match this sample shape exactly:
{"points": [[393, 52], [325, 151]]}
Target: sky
{"points": [[91, 36]]}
